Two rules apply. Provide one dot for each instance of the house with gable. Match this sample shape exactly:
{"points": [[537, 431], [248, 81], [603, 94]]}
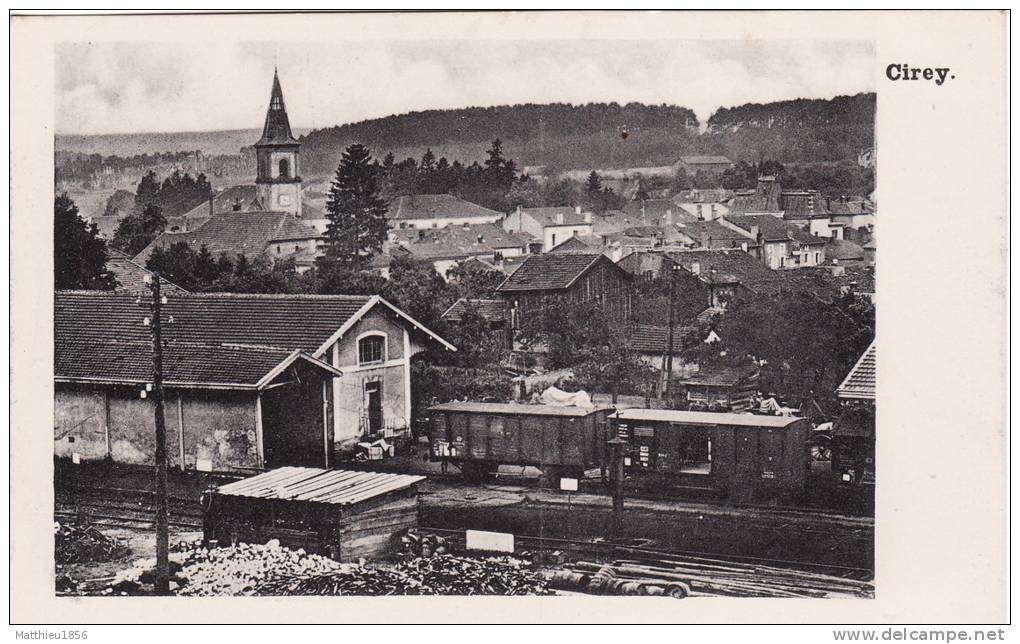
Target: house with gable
{"points": [[577, 278], [252, 381], [551, 226], [778, 243], [437, 211]]}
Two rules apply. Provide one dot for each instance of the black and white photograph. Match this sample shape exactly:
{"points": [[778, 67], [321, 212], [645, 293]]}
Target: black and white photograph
{"points": [[557, 337], [500, 316]]}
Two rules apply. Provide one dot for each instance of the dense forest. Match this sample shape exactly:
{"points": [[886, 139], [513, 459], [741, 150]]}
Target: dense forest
{"points": [[601, 135], [560, 136]]}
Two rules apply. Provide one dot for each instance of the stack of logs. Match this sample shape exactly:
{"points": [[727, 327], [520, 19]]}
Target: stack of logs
{"points": [[700, 577]]}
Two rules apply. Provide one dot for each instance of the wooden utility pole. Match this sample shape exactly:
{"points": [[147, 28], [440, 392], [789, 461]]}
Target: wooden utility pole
{"points": [[667, 357], [162, 578], [617, 474]]}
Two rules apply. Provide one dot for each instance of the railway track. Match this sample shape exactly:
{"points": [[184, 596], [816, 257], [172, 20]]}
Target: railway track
{"points": [[609, 549]]}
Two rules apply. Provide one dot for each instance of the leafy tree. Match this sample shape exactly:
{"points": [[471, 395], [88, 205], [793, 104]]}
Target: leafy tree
{"points": [[474, 282], [342, 279], [119, 203], [137, 230], [357, 215], [525, 193], [807, 345], [416, 287], [613, 366], [79, 254], [561, 193], [147, 191]]}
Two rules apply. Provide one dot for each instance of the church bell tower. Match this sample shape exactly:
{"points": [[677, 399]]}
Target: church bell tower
{"points": [[278, 183]]}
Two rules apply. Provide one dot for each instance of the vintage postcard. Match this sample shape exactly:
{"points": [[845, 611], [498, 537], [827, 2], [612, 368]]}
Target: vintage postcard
{"points": [[581, 309]]}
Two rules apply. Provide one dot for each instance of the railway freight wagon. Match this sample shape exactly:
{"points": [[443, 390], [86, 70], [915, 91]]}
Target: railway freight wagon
{"points": [[479, 437], [738, 456]]}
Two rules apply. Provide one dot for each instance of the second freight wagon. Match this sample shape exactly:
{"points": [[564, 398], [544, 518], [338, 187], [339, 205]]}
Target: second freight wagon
{"points": [[479, 437], [737, 456]]}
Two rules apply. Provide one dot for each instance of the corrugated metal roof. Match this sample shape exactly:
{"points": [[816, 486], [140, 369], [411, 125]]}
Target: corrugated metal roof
{"points": [[705, 418], [316, 485], [514, 408]]}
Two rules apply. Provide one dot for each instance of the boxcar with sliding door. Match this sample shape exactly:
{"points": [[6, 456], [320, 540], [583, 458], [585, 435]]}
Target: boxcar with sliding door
{"points": [[478, 437], [739, 456]]}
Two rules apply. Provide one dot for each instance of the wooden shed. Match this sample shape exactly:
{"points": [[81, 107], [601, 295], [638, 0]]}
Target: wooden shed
{"points": [[343, 514]]}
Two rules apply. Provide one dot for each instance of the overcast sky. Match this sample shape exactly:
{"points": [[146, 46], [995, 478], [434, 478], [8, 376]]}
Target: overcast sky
{"points": [[170, 87]]}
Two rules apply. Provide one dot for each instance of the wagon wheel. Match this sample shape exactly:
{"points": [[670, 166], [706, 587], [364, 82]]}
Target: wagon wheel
{"points": [[821, 450]]}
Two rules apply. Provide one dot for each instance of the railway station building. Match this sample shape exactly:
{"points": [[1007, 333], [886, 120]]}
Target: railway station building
{"points": [[251, 381]]}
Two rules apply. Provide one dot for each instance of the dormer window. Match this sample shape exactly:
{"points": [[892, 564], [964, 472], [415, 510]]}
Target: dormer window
{"points": [[372, 349]]}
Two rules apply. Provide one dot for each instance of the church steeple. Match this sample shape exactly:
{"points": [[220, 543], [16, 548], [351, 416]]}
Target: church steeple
{"points": [[278, 182], [277, 127]]}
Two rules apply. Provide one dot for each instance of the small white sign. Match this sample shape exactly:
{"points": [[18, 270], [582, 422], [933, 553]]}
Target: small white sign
{"points": [[76, 458], [489, 541], [568, 485], [203, 465]]}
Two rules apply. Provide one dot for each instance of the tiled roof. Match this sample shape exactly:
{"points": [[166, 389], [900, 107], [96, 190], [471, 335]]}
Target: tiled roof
{"points": [[705, 232], [797, 204], [551, 271], [860, 382], [236, 233], [489, 310], [549, 216], [843, 250], [243, 196], [574, 245], [648, 338], [774, 229], [458, 241], [214, 338], [131, 277], [705, 160], [436, 207], [729, 267], [698, 195]]}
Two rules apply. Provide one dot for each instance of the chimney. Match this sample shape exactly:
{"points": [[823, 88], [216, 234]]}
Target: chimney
{"points": [[755, 233], [669, 216], [696, 268], [559, 217], [237, 205], [577, 210], [587, 217], [828, 203]]}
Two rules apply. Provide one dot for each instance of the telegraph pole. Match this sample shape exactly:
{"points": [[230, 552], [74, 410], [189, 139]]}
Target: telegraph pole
{"points": [[667, 358], [162, 581]]}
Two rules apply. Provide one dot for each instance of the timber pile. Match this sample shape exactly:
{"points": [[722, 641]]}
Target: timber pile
{"points": [[440, 574], [80, 542], [700, 577], [271, 569], [228, 571]]}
